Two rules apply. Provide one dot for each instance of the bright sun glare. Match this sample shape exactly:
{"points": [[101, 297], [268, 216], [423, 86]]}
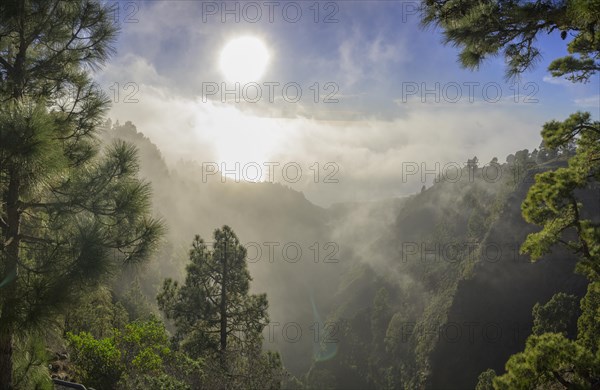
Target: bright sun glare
{"points": [[244, 59]]}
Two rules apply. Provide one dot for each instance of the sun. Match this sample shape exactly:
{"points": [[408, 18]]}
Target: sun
{"points": [[244, 59]]}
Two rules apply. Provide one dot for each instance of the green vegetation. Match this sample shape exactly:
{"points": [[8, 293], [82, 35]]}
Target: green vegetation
{"points": [[549, 359], [95, 289], [72, 210], [391, 327], [217, 319], [139, 356], [482, 29]]}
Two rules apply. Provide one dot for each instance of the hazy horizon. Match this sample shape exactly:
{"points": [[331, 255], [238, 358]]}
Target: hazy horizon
{"points": [[389, 92]]}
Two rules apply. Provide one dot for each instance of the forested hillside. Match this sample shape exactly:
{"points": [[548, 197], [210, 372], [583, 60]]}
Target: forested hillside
{"points": [[454, 296], [416, 276]]}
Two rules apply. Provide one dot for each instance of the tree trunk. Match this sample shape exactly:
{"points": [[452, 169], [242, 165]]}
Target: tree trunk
{"points": [[223, 308], [8, 300], [11, 232], [6, 351]]}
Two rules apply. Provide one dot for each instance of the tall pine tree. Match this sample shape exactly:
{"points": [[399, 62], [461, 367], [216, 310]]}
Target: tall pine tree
{"points": [[213, 310], [69, 211]]}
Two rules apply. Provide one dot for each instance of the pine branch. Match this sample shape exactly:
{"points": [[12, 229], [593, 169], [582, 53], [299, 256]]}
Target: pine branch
{"points": [[7, 242], [3, 223]]}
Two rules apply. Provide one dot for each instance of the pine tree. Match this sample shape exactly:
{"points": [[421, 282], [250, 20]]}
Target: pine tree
{"points": [[485, 28], [556, 315], [69, 212], [212, 310], [552, 201]]}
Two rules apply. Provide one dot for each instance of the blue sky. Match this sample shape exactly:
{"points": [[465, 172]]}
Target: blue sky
{"points": [[373, 54]]}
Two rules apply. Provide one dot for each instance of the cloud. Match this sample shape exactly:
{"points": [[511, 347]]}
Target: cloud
{"points": [[368, 62], [365, 156], [590, 101], [366, 135], [350, 67], [557, 81]]}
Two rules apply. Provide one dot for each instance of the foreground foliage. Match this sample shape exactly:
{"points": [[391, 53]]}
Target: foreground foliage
{"points": [[483, 29], [70, 213]]}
